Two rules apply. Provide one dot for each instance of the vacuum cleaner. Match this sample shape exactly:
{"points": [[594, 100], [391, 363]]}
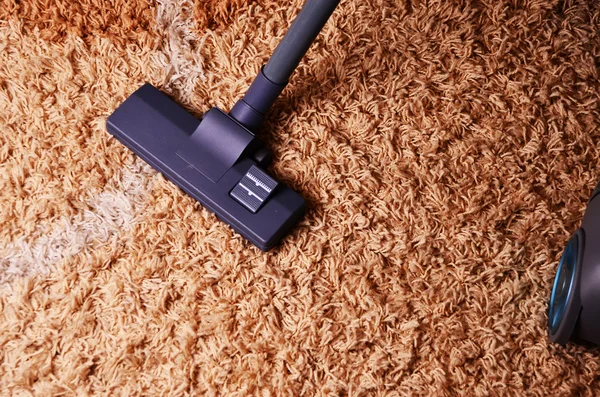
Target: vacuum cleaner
{"points": [[575, 300], [218, 160]]}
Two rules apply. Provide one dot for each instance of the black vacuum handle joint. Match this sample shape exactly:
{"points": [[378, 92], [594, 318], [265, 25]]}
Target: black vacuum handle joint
{"points": [[251, 109]]}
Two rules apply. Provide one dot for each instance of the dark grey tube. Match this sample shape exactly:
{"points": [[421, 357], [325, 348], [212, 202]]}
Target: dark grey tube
{"points": [[273, 77], [297, 40]]}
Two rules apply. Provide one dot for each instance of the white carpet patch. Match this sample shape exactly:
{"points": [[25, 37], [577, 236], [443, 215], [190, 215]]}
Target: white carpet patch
{"points": [[120, 205], [112, 211], [181, 53]]}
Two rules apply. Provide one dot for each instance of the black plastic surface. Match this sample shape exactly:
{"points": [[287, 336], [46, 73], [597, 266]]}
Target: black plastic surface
{"points": [[216, 144], [596, 191], [588, 325], [581, 320], [159, 131]]}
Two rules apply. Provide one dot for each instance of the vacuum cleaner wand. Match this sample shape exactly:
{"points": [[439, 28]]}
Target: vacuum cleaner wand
{"points": [[274, 76], [218, 160]]}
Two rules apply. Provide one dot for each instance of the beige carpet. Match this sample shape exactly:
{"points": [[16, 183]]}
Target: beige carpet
{"points": [[446, 148]]}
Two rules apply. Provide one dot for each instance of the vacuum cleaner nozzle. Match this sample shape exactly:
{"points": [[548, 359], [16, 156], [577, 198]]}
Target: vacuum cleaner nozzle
{"points": [[218, 160]]}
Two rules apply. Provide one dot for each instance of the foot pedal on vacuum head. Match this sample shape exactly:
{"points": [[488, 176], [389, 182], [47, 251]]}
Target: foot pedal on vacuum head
{"points": [[254, 189]]}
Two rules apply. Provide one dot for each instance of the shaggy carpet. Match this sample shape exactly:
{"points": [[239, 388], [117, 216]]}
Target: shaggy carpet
{"points": [[446, 150]]}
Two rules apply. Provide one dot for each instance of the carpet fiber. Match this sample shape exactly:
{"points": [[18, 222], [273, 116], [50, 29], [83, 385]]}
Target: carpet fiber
{"points": [[446, 149]]}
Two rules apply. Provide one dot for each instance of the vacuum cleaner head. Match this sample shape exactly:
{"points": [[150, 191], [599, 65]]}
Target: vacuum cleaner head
{"points": [[574, 309], [213, 161], [218, 160]]}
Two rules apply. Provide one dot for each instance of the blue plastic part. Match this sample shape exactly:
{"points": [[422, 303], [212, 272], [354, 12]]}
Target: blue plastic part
{"points": [[562, 289]]}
